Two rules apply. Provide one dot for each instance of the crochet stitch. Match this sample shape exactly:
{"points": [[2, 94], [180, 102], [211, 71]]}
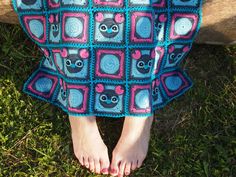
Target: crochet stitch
{"points": [[110, 58]]}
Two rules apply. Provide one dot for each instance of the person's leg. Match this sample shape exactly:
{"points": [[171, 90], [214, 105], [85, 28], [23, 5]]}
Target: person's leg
{"points": [[132, 146], [88, 145]]}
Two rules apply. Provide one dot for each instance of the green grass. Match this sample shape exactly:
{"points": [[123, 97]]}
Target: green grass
{"points": [[194, 135]]}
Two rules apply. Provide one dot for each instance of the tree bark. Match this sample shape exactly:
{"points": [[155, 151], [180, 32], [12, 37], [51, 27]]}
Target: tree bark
{"points": [[218, 24]]}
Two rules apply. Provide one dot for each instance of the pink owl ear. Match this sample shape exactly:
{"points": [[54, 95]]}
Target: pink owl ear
{"points": [[61, 82], [136, 54], [157, 82], [161, 49], [162, 18], [99, 17], [57, 19], [119, 18], [119, 90], [153, 84], [153, 54], [186, 49], [84, 53], [46, 53], [64, 85], [51, 19], [171, 49], [64, 53], [99, 88]]}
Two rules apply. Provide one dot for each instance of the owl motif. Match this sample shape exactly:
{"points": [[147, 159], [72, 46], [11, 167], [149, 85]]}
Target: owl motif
{"points": [[109, 27], [55, 29], [109, 99], [142, 63]]}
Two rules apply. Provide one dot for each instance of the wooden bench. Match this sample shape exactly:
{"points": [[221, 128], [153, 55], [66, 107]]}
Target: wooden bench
{"points": [[218, 27]]}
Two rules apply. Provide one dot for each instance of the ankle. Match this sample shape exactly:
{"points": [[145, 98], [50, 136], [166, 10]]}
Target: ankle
{"points": [[77, 123]]}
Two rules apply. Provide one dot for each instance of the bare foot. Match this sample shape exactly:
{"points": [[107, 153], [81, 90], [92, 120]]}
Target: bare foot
{"points": [[88, 145], [132, 147]]}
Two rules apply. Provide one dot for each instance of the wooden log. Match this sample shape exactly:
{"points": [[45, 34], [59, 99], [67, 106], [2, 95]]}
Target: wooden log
{"points": [[218, 26]]}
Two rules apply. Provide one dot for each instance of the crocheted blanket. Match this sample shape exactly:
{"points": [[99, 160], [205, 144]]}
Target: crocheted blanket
{"points": [[110, 58]]}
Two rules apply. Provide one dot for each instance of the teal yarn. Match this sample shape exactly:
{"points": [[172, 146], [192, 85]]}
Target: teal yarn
{"points": [[110, 58]]}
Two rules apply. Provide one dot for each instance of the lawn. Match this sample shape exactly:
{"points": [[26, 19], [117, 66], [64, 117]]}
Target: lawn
{"points": [[195, 135]]}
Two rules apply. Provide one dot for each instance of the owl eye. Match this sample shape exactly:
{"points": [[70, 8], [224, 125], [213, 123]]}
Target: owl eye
{"points": [[79, 63], [159, 26], [155, 91], [103, 98], [179, 55], [56, 27], [114, 99], [114, 28], [141, 64], [150, 63], [172, 56], [63, 92], [103, 28], [68, 62]]}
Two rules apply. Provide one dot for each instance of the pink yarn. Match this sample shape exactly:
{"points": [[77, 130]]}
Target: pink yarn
{"points": [[84, 53], [99, 88], [136, 54], [99, 17], [51, 19], [119, 90], [119, 18], [162, 18], [171, 49], [64, 53]]}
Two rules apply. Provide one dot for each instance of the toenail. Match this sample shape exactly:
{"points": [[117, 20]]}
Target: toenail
{"points": [[113, 171], [104, 170], [127, 173]]}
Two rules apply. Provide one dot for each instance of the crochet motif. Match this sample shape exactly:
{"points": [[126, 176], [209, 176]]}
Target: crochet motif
{"points": [[110, 58]]}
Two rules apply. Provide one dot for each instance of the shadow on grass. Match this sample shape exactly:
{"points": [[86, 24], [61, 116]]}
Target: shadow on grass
{"points": [[193, 136]]}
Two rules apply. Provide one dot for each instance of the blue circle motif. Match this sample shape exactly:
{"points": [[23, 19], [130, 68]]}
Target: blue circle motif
{"points": [[110, 64], [173, 83], [43, 84], [75, 98], [36, 28]]}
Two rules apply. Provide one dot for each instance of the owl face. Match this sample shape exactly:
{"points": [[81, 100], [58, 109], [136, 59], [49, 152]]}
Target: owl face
{"points": [[144, 64], [49, 59], [74, 64], [29, 2], [63, 94], [155, 92], [155, 89], [109, 99], [176, 53], [55, 29], [109, 28], [175, 56]]}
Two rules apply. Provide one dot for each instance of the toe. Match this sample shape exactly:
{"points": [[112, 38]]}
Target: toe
{"points": [[97, 166], [81, 161], [86, 162], [139, 164], [134, 165], [114, 166], [105, 163], [91, 164], [127, 168], [121, 169]]}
